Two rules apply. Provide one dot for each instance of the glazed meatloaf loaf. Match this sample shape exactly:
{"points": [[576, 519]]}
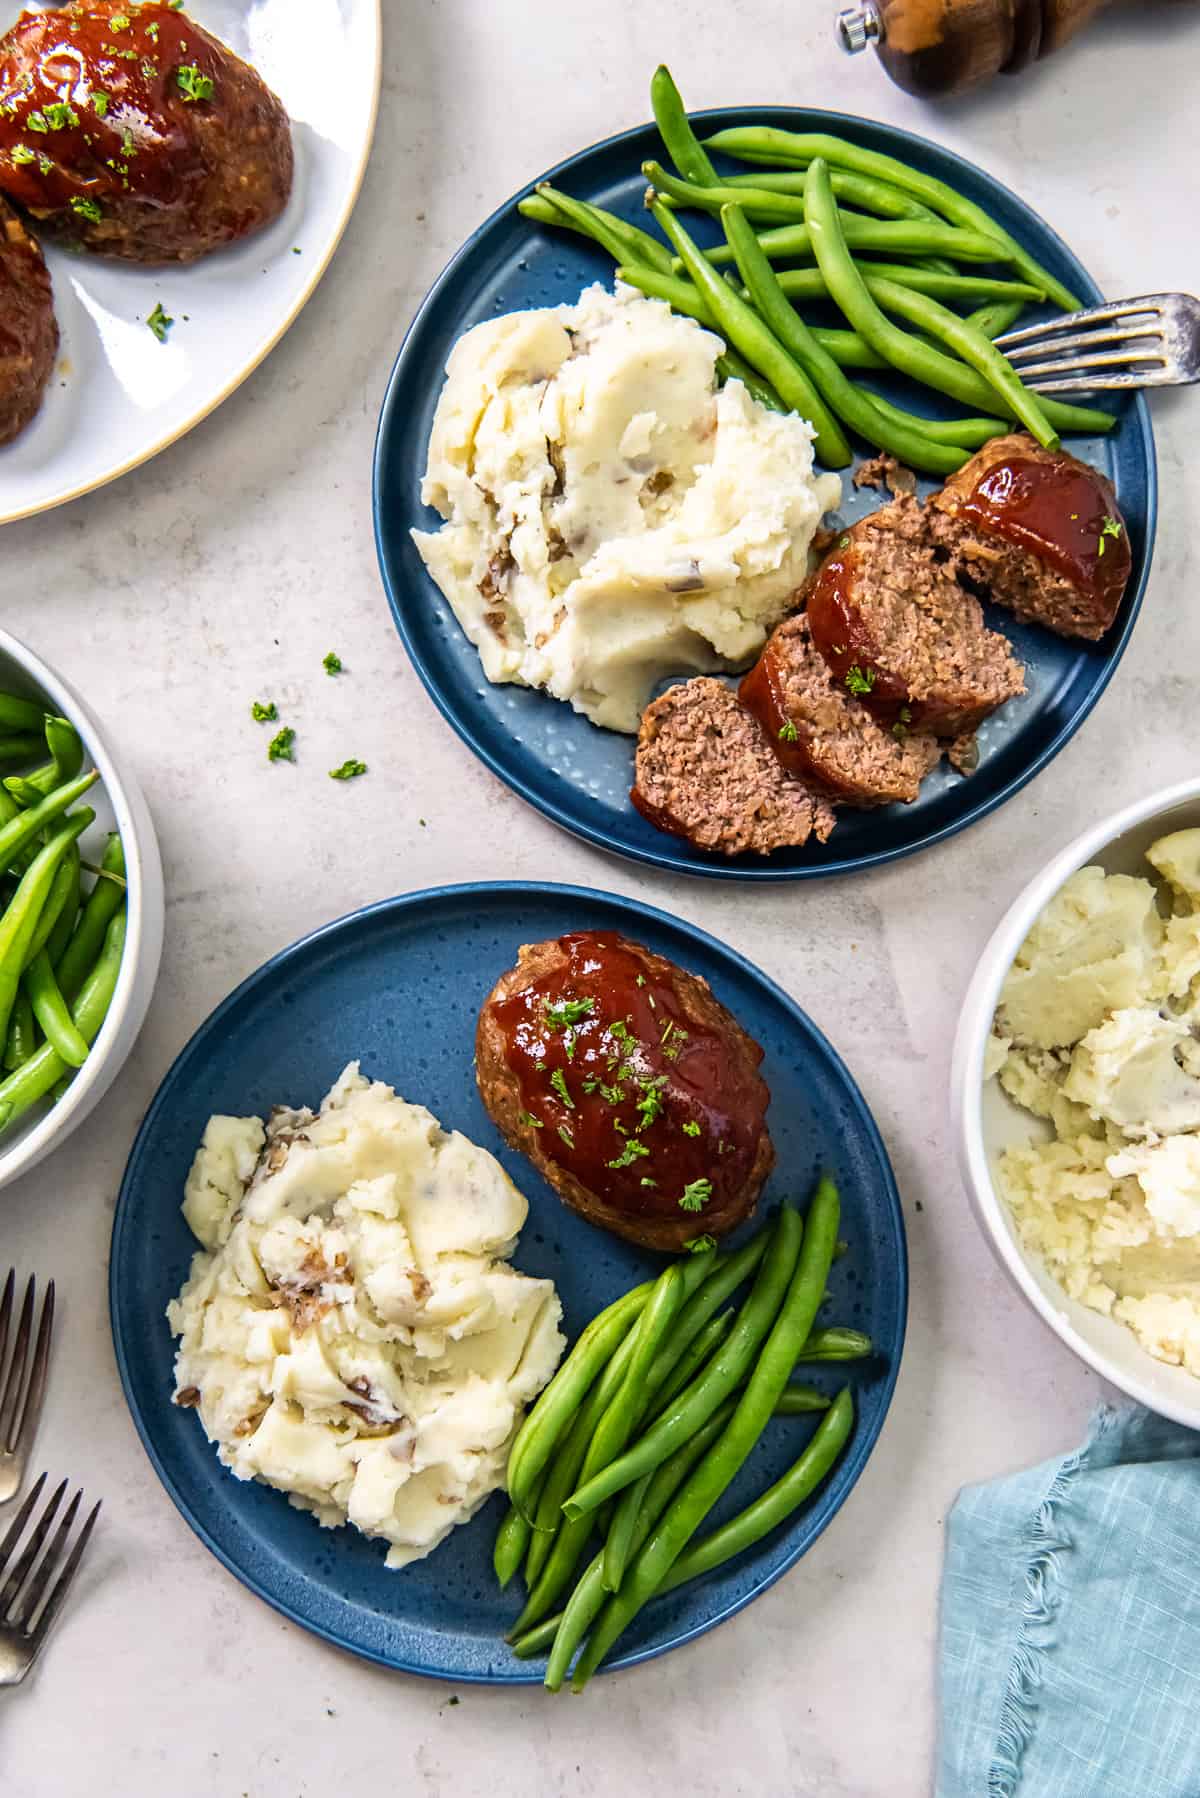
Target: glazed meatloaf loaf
{"points": [[1038, 532], [822, 733], [899, 631], [629, 1086], [705, 771], [28, 329], [131, 131]]}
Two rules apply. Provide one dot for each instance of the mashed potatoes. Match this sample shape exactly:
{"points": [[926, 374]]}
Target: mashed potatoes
{"points": [[1098, 1034], [351, 1331], [611, 517]]}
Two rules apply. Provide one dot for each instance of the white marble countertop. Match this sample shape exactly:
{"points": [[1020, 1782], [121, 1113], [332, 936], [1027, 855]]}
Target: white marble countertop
{"points": [[232, 563]]}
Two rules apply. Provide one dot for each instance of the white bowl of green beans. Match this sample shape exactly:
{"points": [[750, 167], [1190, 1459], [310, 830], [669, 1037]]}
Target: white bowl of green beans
{"points": [[81, 910]]}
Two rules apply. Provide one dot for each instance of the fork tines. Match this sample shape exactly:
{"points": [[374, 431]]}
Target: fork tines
{"points": [[22, 1378], [34, 1588], [1067, 354]]}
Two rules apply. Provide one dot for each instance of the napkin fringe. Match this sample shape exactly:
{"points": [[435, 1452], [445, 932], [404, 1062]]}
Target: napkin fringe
{"points": [[1047, 1541]]}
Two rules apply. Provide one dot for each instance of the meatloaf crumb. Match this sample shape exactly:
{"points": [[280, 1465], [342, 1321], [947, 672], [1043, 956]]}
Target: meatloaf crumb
{"points": [[706, 772], [885, 473], [822, 733]]}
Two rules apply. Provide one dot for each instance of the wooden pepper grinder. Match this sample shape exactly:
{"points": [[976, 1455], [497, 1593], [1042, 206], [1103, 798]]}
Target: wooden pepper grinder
{"points": [[934, 47]]}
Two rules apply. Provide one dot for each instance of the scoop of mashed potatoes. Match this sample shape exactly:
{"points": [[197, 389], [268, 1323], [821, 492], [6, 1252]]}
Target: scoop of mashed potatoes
{"points": [[611, 518], [1098, 1034], [351, 1331]]}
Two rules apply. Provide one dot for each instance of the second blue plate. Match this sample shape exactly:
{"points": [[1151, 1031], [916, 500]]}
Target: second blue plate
{"points": [[579, 775]]}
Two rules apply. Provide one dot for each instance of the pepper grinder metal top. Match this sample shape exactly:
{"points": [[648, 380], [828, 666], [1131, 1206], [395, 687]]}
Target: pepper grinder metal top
{"points": [[858, 26]]}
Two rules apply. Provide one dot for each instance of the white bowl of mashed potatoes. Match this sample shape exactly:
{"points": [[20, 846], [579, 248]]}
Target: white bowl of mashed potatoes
{"points": [[1076, 1098]]}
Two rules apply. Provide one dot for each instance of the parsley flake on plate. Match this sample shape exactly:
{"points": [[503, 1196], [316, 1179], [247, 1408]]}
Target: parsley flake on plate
{"points": [[695, 1195], [279, 749], [264, 714], [159, 322], [349, 770], [332, 664]]}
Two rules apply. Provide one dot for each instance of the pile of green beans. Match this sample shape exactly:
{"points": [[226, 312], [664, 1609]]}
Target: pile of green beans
{"points": [[61, 935], [821, 219], [648, 1422]]}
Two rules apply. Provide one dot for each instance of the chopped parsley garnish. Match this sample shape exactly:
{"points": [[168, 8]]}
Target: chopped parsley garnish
{"points": [[192, 84], [589, 1086], [558, 1081], [279, 749], [671, 1046], [697, 1245], [844, 542], [527, 1117], [87, 209], [632, 1151], [99, 102], [120, 21], [860, 680], [36, 122], [647, 1181], [569, 1013], [332, 664], [723, 1147], [264, 714], [22, 153], [566, 1136], [649, 1106], [152, 31], [1110, 528], [788, 733], [350, 769], [612, 1095], [59, 116], [899, 731], [159, 322], [621, 1031], [641, 980], [691, 1128], [696, 1195]]}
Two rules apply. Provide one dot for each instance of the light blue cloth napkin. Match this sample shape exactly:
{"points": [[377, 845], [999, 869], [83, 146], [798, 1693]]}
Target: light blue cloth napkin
{"points": [[1070, 1627]]}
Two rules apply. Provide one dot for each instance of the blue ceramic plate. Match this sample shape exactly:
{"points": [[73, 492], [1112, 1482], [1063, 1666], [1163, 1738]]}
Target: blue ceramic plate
{"points": [[399, 986], [580, 776]]}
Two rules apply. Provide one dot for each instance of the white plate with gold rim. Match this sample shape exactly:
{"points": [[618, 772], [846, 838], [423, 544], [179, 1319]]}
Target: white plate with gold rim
{"points": [[118, 395]]}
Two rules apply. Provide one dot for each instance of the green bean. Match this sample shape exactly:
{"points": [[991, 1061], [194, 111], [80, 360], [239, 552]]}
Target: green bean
{"points": [[898, 433], [20, 919], [916, 237], [945, 200], [22, 1036], [64, 923], [19, 748], [837, 1344], [724, 1373], [674, 127], [23, 830], [46, 1069], [729, 366], [728, 1273], [104, 902], [777, 1502], [690, 1363], [63, 889], [849, 289], [20, 716], [542, 1428], [847, 348], [66, 759], [743, 328], [997, 317], [50, 1010], [623, 241], [963, 433], [860, 191], [727, 1455], [809, 283], [957, 379], [508, 1550]]}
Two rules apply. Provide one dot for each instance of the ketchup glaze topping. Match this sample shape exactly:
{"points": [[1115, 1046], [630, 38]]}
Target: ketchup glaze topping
{"points": [[1060, 510], [647, 1108], [95, 102]]}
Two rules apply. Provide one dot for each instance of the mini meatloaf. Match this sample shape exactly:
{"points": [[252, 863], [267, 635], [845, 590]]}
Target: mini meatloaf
{"points": [[28, 328], [899, 631], [1039, 532], [134, 133], [823, 734], [629, 1086], [706, 772]]}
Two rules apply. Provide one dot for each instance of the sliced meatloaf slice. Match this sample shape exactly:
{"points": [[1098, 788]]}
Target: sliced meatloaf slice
{"points": [[823, 734], [706, 772], [1038, 532], [901, 634]]}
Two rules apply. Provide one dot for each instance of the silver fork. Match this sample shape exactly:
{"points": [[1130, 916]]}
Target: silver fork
{"points": [[1158, 337], [21, 1396], [32, 1597]]}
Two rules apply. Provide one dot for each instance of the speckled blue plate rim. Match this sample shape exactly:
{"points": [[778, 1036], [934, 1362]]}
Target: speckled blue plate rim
{"points": [[666, 857], [862, 1442]]}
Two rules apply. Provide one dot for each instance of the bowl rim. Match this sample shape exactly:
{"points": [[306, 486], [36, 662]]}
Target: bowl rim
{"points": [[967, 1086], [70, 1110]]}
